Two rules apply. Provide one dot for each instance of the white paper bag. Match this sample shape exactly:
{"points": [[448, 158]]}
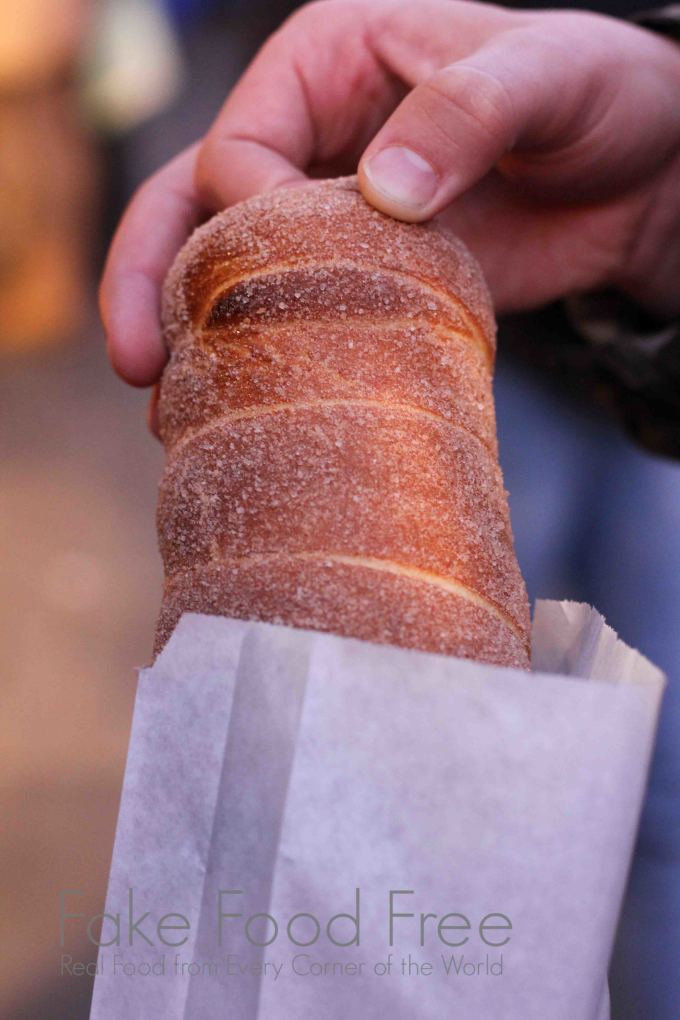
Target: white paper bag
{"points": [[304, 776]]}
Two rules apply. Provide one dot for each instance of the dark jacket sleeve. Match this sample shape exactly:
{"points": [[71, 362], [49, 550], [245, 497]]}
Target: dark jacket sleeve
{"points": [[603, 345]]}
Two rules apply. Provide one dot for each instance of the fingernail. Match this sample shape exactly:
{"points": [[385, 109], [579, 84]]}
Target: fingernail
{"points": [[402, 176]]}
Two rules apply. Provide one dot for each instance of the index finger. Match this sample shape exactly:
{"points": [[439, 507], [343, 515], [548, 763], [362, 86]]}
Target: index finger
{"points": [[158, 220], [263, 136], [314, 96]]}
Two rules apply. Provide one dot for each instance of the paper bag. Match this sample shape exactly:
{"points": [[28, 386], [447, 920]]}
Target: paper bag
{"points": [[319, 827]]}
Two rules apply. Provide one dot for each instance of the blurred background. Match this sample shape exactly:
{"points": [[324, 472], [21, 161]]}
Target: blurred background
{"points": [[94, 96]]}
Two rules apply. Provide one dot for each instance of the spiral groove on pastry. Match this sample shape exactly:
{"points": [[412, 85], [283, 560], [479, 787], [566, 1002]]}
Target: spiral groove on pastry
{"points": [[329, 424]]}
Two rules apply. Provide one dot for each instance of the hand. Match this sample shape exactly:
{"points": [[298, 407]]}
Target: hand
{"points": [[549, 141]]}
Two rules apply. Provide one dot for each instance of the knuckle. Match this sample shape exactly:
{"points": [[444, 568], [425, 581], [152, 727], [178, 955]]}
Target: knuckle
{"points": [[478, 96], [310, 12], [325, 16], [145, 192]]}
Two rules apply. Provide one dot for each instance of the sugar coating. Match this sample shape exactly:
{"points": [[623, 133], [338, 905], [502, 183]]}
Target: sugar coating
{"points": [[322, 222], [328, 416], [357, 601]]}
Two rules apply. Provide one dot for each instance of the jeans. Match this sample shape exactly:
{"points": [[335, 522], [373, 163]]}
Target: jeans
{"points": [[598, 520]]}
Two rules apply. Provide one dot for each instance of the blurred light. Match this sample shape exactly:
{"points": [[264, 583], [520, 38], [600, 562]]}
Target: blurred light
{"points": [[132, 66], [74, 580]]}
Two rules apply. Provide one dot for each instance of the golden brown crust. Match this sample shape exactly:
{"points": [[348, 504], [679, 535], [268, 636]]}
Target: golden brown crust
{"points": [[330, 429], [325, 225], [242, 368], [362, 602]]}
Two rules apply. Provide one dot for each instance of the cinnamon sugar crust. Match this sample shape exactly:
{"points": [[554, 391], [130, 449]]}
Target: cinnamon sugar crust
{"points": [[328, 417]]}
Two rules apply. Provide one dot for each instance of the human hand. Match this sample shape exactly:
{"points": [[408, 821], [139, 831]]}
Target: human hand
{"points": [[549, 141]]}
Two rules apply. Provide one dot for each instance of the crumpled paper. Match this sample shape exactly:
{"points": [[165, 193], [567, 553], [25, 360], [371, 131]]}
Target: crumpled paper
{"points": [[335, 785]]}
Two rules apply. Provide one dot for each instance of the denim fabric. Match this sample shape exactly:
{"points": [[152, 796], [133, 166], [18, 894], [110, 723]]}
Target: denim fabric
{"points": [[598, 519]]}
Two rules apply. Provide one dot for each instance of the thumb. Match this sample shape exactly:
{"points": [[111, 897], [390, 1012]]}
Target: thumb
{"points": [[446, 135]]}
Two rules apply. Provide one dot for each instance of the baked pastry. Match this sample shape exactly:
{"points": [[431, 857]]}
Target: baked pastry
{"points": [[329, 424]]}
